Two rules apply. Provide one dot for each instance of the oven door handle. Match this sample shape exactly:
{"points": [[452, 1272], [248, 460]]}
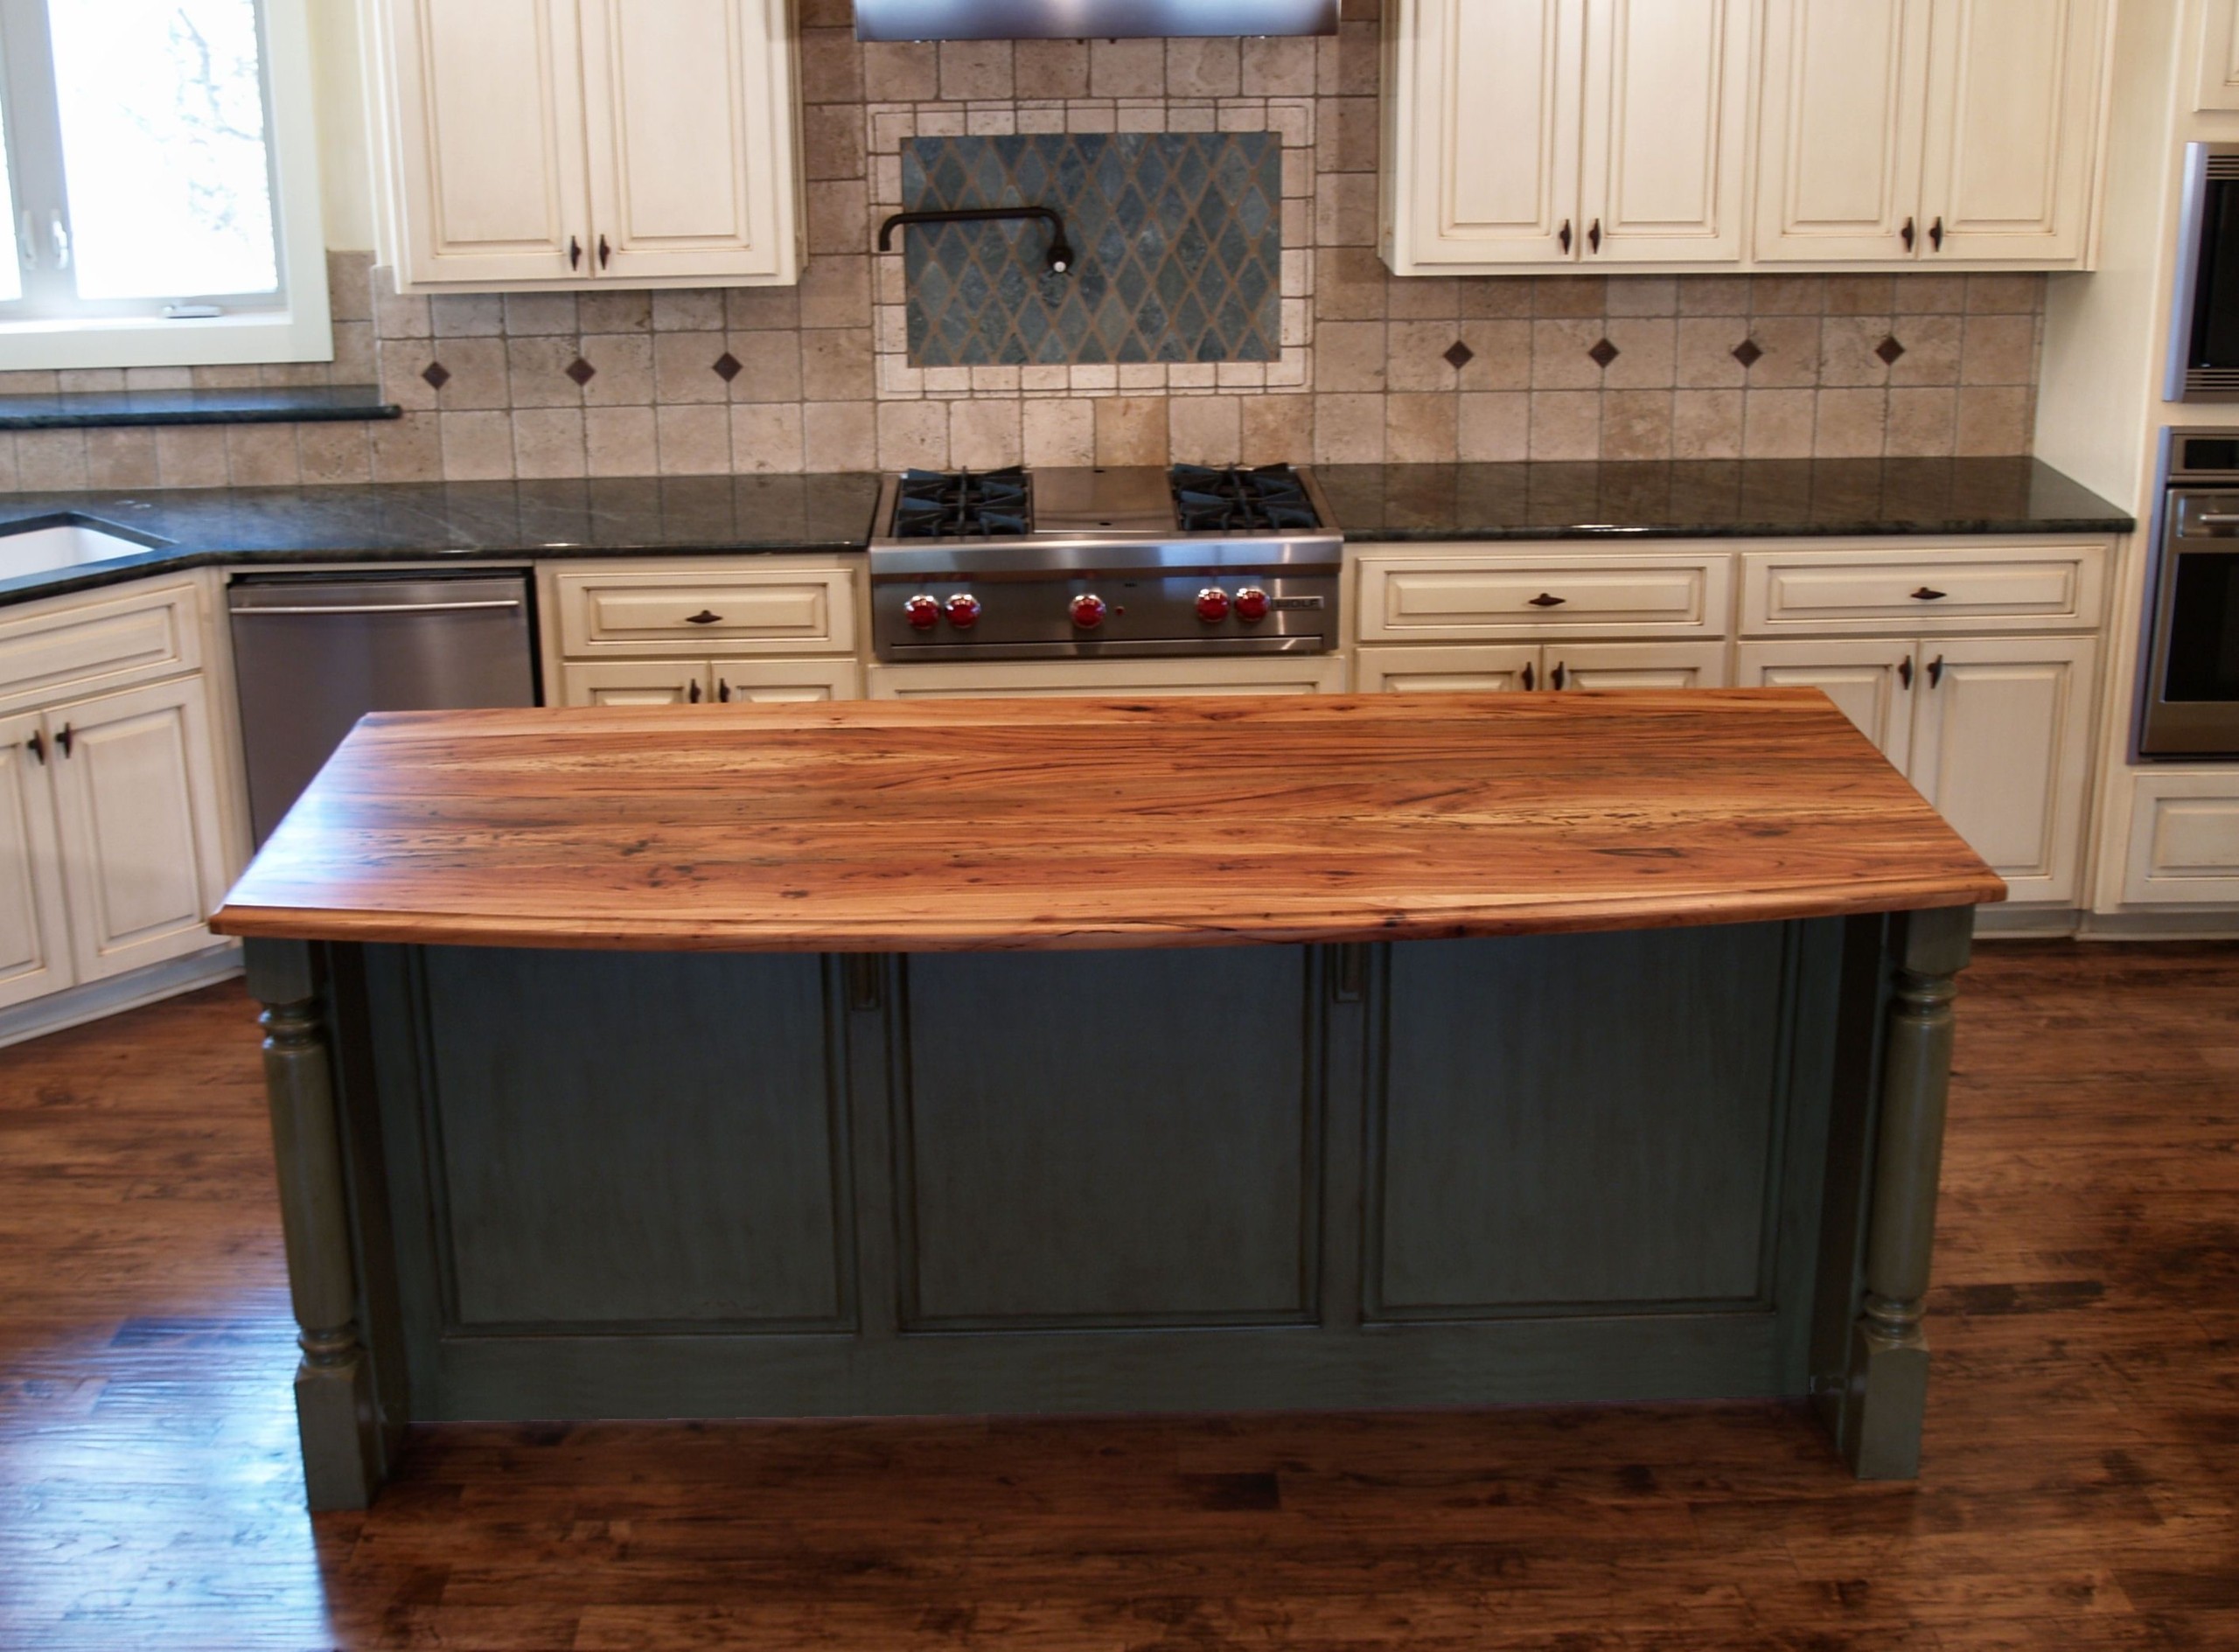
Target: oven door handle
{"points": [[2218, 519]]}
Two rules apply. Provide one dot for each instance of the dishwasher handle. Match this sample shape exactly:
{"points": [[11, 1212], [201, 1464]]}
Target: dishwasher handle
{"points": [[384, 608]]}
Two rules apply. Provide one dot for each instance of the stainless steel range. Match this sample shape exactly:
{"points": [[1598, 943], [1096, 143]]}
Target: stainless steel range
{"points": [[1107, 562]]}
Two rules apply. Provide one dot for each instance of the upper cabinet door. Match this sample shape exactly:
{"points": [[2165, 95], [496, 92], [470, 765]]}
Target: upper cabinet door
{"points": [[690, 138], [1487, 96], [1666, 122], [487, 140], [2012, 128], [2219, 76], [1840, 121]]}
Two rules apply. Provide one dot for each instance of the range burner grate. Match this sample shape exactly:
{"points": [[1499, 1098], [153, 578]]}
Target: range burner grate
{"points": [[963, 505], [1233, 499]]}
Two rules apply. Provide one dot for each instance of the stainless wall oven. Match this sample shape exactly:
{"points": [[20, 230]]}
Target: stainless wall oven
{"points": [[2192, 698]]}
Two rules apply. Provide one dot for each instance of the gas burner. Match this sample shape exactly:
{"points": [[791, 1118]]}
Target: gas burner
{"points": [[974, 505], [1231, 499]]}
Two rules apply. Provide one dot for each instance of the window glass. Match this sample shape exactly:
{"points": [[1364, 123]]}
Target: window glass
{"points": [[161, 106], [12, 268]]}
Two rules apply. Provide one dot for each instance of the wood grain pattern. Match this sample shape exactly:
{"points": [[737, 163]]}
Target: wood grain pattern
{"points": [[2080, 1490], [874, 826]]}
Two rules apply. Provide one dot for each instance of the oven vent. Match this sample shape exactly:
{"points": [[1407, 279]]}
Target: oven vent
{"points": [[2212, 384], [2223, 165]]}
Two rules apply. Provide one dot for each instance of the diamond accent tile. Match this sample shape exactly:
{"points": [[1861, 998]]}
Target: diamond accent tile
{"points": [[729, 367], [1747, 353], [1603, 353], [580, 370], [1177, 239], [1889, 349], [1460, 356], [436, 374]]}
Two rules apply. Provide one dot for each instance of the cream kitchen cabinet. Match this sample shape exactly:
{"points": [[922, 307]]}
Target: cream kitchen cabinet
{"points": [[2218, 87], [1994, 731], [1550, 132], [1509, 667], [111, 847], [1914, 132], [692, 682], [2184, 839], [581, 142]]}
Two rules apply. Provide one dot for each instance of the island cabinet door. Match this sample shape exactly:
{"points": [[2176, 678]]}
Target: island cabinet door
{"points": [[1871, 682], [34, 932], [2001, 746], [137, 797]]}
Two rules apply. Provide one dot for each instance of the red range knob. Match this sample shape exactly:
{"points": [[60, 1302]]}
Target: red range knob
{"points": [[1089, 613], [963, 611], [1212, 605], [923, 613], [1251, 603]]}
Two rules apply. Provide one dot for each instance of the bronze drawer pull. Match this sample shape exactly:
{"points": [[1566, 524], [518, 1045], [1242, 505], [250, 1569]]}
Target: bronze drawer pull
{"points": [[38, 748], [1529, 677], [1904, 670], [1936, 672], [703, 617], [1544, 600], [62, 740], [1924, 594]]}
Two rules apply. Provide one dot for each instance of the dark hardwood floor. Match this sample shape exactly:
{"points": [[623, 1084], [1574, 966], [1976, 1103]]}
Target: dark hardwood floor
{"points": [[2081, 1490]]}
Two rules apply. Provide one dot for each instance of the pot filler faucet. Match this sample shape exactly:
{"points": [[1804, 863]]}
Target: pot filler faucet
{"points": [[1061, 251]]}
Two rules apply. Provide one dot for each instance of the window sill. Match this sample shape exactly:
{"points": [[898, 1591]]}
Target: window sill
{"points": [[303, 404], [304, 334]]}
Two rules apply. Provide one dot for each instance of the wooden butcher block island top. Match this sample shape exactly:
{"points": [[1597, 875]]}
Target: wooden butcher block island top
{"points": [[966, 825]]}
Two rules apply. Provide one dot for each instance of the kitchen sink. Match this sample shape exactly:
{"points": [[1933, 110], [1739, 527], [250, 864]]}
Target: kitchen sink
{"points": [[43, 546]]}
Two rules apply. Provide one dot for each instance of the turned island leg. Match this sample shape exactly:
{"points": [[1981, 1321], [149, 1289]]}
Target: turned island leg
{"points": [[1885, 1396], [334, 1402]]}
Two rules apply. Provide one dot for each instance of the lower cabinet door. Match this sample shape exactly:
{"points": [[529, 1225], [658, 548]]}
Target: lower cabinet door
{"points": [[34, 923], [778, 680], [1870, 680], [1636, 666], [637, 682], [2001, 746], [1488, 668], [136, 802]]}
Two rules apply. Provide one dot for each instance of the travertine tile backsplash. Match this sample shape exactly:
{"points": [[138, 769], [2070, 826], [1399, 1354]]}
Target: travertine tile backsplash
{"points": [[1370, 367]]}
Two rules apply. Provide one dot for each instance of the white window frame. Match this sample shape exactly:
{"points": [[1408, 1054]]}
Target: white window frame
{"points": [[302, 330]]}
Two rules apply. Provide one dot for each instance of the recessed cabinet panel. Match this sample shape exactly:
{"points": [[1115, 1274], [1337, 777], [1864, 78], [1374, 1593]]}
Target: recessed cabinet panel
{"points": [[1840, 121], [2218, 87], [1493, 112], [34, 932], [1061, 1201], [1494, 1111], [1869, 681], [2184, 839], [748, 613], [715, 1198], [1427, 598], [2021, 587], [2000, 744], [1480, 669], [136, 802], [2013, 109], [674, 79], [489, 138], [633, 682], [1619, 665], [1666, 118], [100, 644]]}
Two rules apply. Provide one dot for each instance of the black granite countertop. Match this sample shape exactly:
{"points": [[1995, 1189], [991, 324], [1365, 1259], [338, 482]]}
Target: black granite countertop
{"points": [[298, 404], [1709, 498], [514, 521], [463, 521]]}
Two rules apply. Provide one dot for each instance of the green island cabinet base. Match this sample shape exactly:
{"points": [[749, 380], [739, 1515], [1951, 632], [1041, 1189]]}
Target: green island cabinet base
{"points": [[1650, 1164]]}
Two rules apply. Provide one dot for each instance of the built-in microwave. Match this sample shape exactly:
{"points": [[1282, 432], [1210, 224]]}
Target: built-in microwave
{"points": [[2204, 319]]}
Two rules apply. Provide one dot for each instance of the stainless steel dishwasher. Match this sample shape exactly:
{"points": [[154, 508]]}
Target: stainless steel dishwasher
{"points": [[313, 652]]}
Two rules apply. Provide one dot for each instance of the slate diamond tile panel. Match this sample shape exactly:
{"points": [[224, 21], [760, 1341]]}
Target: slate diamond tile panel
{"points": [[1178, 235]]}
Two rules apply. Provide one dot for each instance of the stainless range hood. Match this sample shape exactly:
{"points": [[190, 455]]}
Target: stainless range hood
{"points": [[1087, 19]]}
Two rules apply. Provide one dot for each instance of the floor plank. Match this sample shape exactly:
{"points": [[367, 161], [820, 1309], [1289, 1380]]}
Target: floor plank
{"points": [[2080, 1488]]}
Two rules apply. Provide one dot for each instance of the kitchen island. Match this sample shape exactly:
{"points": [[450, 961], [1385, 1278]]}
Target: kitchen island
{"points": [[1026, 1055]]}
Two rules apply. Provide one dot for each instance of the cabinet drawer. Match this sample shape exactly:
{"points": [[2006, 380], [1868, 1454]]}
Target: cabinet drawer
{"points": [[776, 610], [1422, 598], [2024, 588], [2183, 846], [102, 645]]}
